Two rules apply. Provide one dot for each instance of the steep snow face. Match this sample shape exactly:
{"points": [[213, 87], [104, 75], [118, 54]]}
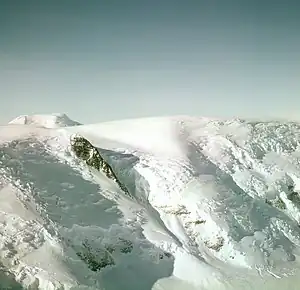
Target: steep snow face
{"points": [[214, 204], [226, 189], [46, 121]]}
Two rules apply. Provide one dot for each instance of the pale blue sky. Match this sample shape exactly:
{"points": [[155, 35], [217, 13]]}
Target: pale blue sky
{"points": [[114, 59]]}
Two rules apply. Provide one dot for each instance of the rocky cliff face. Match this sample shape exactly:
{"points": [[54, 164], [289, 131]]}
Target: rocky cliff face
{"points": [[85, 151]]}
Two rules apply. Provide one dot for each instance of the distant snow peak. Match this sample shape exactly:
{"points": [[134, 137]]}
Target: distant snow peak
{"points": [[54, 120]]}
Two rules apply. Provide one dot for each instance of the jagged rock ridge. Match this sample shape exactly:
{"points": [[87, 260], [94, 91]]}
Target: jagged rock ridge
{"points": [[84, 150]]}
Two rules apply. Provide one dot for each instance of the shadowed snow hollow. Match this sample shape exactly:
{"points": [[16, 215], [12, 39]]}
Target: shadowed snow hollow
{"points": [[213, 204]]}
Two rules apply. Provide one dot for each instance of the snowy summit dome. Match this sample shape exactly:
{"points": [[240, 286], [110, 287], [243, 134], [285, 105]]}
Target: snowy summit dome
{"points": [[46, 121]]}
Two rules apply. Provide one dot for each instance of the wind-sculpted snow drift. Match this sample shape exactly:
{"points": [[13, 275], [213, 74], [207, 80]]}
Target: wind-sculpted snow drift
{"points": [[156, 203]]}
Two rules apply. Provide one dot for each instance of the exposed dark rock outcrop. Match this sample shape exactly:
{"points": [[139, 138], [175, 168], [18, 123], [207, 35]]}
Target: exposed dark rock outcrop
{"points": [[85, 151], [98, 258]]}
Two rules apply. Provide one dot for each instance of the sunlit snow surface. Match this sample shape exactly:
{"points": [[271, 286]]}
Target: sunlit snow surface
{"points": [[197, 219]]}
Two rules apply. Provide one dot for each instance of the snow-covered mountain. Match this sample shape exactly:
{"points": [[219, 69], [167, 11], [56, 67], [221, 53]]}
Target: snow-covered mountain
{"points": [[212, 204], [47, 121]]}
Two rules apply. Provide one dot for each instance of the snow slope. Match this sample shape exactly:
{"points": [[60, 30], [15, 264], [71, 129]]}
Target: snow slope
{"points": [[214, 204], [46, 121]]}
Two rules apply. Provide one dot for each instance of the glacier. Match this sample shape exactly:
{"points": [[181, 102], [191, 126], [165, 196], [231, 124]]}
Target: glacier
{"points": [[213, 204]]}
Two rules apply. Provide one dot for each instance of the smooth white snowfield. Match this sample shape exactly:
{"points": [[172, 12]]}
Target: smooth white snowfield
{"points": [[210, 204]]}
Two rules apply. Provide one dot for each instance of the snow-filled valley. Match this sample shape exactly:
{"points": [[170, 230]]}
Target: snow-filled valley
{"points": [[213, 204]]}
